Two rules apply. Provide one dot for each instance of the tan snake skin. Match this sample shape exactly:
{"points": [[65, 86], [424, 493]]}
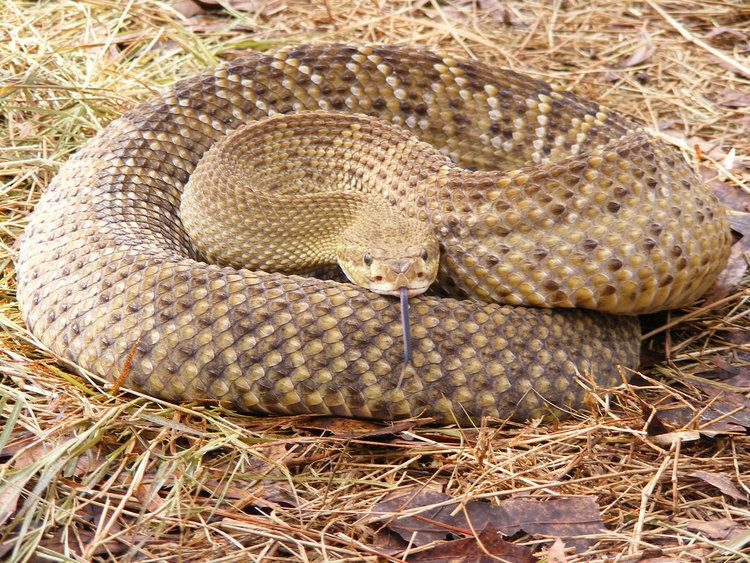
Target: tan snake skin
{"points": [[587, 210], [242, 204]]}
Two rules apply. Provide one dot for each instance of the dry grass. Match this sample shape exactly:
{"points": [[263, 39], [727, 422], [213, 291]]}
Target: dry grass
{"points": [[85, 475]]}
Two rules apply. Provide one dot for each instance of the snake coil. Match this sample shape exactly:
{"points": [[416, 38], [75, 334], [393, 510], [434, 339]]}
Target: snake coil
{"points": [[583, 209]]}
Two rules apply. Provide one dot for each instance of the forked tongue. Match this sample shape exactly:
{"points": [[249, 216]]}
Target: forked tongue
{"points": [[405, 324]]}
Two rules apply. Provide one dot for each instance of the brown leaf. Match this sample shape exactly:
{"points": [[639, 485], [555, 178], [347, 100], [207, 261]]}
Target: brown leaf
{"points": [[556, 552], [737, 266], [726, 35], [260, 7], [641, 54], [728, 66], [724, 401], [732, 196], [353, 428], [734, 98], [714, 529], [487, 547], [667, 439], [726, 372], [497, 10], [740, 222], [88, 461], [678, 422], [731, 276], [656, 425], [710, 417], [389, 542], [10, 491], [76, 537], [741, 379], [269, 457], [721, 482], [187, 8], [565, 517]]}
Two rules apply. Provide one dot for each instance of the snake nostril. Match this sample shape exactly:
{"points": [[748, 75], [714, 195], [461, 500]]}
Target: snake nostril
{"points": [[420, 274], [378, 278]]}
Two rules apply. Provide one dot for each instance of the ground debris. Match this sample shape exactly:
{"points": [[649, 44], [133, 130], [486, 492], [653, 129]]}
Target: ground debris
{"points": [[422, 516], [721, 482], [199, 483]]}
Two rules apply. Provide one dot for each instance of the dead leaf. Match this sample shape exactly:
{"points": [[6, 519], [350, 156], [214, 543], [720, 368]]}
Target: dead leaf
{"points": [[728, 66], [10, 491], [726, 35], [651, 358], [668, 438], [656, 425], [726, 372], [731, 276], [709, 417], [642, 53], [738, 541], [734, 98], [75, 537], [487, 547], [714, 529], [260, 7], [740, 222], [737, 266], [389, 542], [353, 428], [88, 461], [742, 379], [556, 552], [721, 482], [725, 400], [497, 10], [566, 517], [267, 458], [732, 196], [187, 8]]}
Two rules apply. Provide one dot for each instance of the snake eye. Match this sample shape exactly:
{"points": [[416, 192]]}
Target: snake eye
{"points": [[424, 254], [367, 259]]}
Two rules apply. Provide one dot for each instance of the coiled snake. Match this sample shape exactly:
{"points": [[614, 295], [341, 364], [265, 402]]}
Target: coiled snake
{"points": [[583, 209]]}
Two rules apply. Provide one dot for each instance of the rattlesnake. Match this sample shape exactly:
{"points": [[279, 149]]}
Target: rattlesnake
{"points": [[587, 211]]}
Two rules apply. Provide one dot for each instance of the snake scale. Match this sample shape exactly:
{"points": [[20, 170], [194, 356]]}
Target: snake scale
{"points": [[538, 197]]}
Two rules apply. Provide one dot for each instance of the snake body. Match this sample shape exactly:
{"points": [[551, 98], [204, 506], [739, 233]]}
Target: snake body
{"points": [[583, 209]]}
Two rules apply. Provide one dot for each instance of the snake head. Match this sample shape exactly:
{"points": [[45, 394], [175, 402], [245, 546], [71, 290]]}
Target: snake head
{"points": [[390, 259]]}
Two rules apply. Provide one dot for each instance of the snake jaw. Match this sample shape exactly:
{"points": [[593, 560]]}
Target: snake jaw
{"points": [[391, 276]]}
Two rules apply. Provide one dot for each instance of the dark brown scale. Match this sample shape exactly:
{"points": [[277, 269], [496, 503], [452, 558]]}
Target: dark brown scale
{"points": [[609, 290], [589, 245], [551, 285], [557, 209], [614, 264]]}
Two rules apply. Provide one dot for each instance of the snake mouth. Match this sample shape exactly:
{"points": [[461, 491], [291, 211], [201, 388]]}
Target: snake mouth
{"points": [[396, 291], [391, 287]]}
